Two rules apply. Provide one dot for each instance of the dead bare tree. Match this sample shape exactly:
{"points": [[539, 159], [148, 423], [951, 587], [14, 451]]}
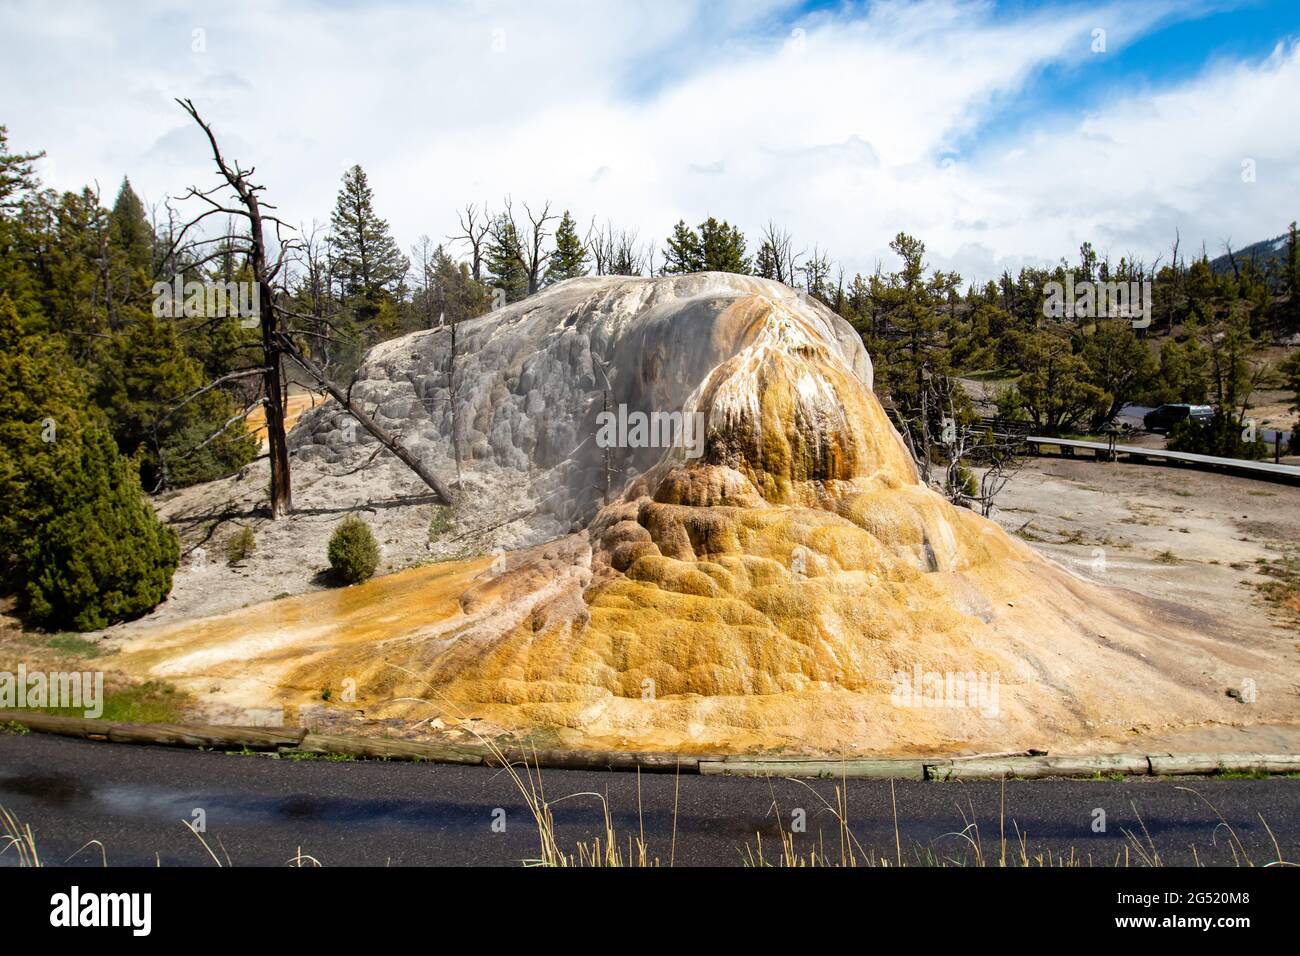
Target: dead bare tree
{"points": [[314, 288], [474, 233], [618, 252], [596, 248], [266, 271], [454, 382], [385, 438], [1232, 258], [422, 287], [1002, 459], [815, 270], [958, 448], [780, 246], [526, 248], [274, 317]]}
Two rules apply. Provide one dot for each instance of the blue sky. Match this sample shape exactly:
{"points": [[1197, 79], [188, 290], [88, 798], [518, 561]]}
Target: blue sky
{"points": [[1173, 52], [993, 131]]}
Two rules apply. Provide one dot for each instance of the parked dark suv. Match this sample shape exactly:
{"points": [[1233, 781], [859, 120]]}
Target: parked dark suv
{"points": [[1165, 417]]}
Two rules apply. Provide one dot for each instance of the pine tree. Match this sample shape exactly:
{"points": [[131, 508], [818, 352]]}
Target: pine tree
{"points": [[366, 261], [145, 381], [1184, 371], [912, 312], [1120, 364], [130, 232], [1290, 369], [145, 377], [722, 248], [569, 260], [17, 174], [1293, 270], [505, 260], [65, 238], [1054, 387], [456, 294], [79, 545], [684, 253]]}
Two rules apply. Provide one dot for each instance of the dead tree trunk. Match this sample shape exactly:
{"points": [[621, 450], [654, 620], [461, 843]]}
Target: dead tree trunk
{"points": [[276, 340], [264, 274], [276, 435], [386, 439], [451, 403]]}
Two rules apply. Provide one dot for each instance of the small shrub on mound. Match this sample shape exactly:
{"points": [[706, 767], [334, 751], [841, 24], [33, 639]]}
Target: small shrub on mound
{"points": [[353, 551], [240, 546], [439, 522]]}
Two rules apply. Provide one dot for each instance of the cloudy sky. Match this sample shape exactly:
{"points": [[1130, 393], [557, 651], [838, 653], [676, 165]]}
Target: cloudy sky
{"points": [[1001, 133]]}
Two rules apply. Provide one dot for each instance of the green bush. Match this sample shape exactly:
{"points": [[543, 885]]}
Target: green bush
{"points": [[144, 375], [79, 544], [240, 545], [1220, 436], [439, 522], [102, 556], [353, 551]]}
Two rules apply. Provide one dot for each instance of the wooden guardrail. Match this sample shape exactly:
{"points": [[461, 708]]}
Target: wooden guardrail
{"points": [[1140, 454], [1111, 450], [1025, 764]]}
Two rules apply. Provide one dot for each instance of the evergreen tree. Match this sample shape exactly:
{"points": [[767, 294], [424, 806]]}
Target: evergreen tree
{"points": [[1221, 436], [456, 295], [569, 260], [147, 381], [505, 260], [1054, 388], [79, 544], [722, 248], [366, 261], [65, 239], [130, 231], [145, 376], [1290, 370], [684, 253], [353, 551], [17, 174], [911, 309], [1292, 270], [1183, 375], [1119, 364]]}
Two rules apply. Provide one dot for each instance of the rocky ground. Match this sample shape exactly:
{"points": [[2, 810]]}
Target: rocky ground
{"points": [[290, 557], [1200, 540]]}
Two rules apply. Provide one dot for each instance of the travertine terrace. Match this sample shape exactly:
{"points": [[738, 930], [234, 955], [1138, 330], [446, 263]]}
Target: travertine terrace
{"points": [[794, 587]]}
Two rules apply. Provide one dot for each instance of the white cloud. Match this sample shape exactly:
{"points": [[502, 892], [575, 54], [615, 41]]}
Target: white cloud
{"points": [[646, 112]]}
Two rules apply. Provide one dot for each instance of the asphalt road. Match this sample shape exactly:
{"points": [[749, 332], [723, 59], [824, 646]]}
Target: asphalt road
{"points": [[261, 810]]}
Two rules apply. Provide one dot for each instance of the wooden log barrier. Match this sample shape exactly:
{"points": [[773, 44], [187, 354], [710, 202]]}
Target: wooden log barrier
{"points": [[288, 740]]}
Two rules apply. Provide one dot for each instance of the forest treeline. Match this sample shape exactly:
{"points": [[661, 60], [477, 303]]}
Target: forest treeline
{"points": [[115, 385]]}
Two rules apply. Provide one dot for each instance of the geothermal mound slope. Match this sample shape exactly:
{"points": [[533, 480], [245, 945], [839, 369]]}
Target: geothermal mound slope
{"points": [[794, 586]]}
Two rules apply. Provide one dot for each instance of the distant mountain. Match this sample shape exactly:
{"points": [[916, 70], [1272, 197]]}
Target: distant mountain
{"points": [[1269, 255]]}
